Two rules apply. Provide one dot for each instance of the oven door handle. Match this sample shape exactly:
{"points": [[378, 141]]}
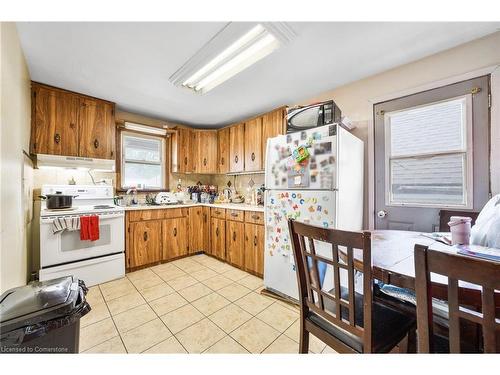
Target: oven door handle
{"points": [[50, 219]]}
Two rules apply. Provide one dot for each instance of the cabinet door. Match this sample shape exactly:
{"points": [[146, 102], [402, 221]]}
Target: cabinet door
{"points": [[55, 120], [235, 243], [145, 242], [254, 248], [218, 238], [236, 148], [175, 238], [273, 124], [97, 129], [182, 162], [207, 151], [199, 234], [253, 145], [223, 150]]}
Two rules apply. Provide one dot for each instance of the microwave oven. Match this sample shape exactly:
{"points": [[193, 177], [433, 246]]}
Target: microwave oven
{"points": [[311, 116]]}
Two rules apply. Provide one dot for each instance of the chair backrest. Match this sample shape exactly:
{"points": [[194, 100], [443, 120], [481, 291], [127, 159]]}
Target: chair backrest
{"points": [[342, 245], [456, 268], [445, 215]]}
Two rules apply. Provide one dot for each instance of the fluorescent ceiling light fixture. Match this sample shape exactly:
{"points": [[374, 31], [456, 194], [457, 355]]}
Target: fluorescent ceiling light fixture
{"points": [[145, 128], [209, 67]]}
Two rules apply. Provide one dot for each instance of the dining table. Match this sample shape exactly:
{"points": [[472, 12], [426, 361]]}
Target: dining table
{"points": [[393, 263]]}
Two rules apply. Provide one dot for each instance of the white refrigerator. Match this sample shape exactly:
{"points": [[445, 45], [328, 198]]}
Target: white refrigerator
{"points": [[326, 189]]}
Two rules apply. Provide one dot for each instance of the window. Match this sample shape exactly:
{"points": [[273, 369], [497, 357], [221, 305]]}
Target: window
{"points": [[143, 161], [429, 154]]}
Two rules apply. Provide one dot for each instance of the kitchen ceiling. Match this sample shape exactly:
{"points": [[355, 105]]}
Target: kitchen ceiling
{"points": [[130, 63]]}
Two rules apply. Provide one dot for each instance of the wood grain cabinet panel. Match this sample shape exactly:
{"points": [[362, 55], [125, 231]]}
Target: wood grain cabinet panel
{"points": [[223, 150], [235, 243], [254, 248], [175, 238], [55, 121], [96, 129], [236, 148], [199, 226], [254, 217], [253, 145], [181, 151], [145, 243], [273, 124], [207, 151], [218, 238]]}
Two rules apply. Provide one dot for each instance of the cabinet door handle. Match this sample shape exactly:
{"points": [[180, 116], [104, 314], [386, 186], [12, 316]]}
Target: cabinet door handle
{"points": [[145, 236], [236, 159], [96, 143], [253, 156], [255, 241], [175, 232], [234, 236], [222, 160], [204, 161], [72, 125], [234, 214], [205, 218], [217, 212], [256, 217], [57, 138], [217, 232], [185, 160]]}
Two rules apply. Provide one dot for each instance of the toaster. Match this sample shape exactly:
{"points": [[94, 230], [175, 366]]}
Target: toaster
{"points": [[165, 198]]}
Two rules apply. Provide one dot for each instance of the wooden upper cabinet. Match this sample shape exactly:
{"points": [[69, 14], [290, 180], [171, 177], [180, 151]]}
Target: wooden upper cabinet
{"points": [[181, 151], [207, 151], [236, 148], [273, 124], [175, 238], [54, 122], [223, 150], [254, 248], [145, 242], [97, 129], [71, 124], [253, 145]]}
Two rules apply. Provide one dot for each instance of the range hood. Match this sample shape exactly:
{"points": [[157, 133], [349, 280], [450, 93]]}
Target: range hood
{"points": [[43, 160]]}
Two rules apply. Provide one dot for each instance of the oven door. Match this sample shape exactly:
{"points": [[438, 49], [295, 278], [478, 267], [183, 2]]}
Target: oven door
{"points": [[66, 247]]}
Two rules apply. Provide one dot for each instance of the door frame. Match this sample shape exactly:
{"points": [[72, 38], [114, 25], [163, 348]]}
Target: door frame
{"points": [[494, 72]]}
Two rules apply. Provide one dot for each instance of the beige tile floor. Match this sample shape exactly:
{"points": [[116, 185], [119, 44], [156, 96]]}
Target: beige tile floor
{"points": [[192, 305]]}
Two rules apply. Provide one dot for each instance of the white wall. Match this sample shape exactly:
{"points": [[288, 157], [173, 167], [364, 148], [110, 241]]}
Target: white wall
{"points": [[15, 109]]}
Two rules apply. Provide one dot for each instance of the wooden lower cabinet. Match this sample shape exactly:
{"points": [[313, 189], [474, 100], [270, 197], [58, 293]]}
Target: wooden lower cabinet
{"points": [[254, 248], [235, 244], [145, 243], [175, 238], [218, 238], [199, 226]]}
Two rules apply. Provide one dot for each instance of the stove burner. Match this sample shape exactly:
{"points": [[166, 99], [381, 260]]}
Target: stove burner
{"points": [[102, 206]]}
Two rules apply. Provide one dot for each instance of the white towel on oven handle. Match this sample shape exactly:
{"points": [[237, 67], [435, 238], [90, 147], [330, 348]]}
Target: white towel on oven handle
{"points": [[60, 224]]}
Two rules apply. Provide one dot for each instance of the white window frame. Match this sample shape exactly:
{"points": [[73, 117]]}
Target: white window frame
{"points": [[468, 177], [162, 162]]}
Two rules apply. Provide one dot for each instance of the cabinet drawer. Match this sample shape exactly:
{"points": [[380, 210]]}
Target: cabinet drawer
{"points": [[219, 213], [235, 215], [254, 217], [169, 213]]}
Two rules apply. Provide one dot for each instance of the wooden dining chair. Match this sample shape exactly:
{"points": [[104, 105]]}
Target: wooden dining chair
{"points": [[457, 268], [347, 321]]}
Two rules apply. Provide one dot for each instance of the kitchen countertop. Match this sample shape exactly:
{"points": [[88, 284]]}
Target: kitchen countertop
{"points": [[231, 206]]}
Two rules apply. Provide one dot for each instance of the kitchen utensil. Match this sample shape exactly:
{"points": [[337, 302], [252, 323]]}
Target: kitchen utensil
{"points": [[58, 200]]}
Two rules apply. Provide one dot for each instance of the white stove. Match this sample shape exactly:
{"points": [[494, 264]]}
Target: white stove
{"points": [[64, 253]]}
